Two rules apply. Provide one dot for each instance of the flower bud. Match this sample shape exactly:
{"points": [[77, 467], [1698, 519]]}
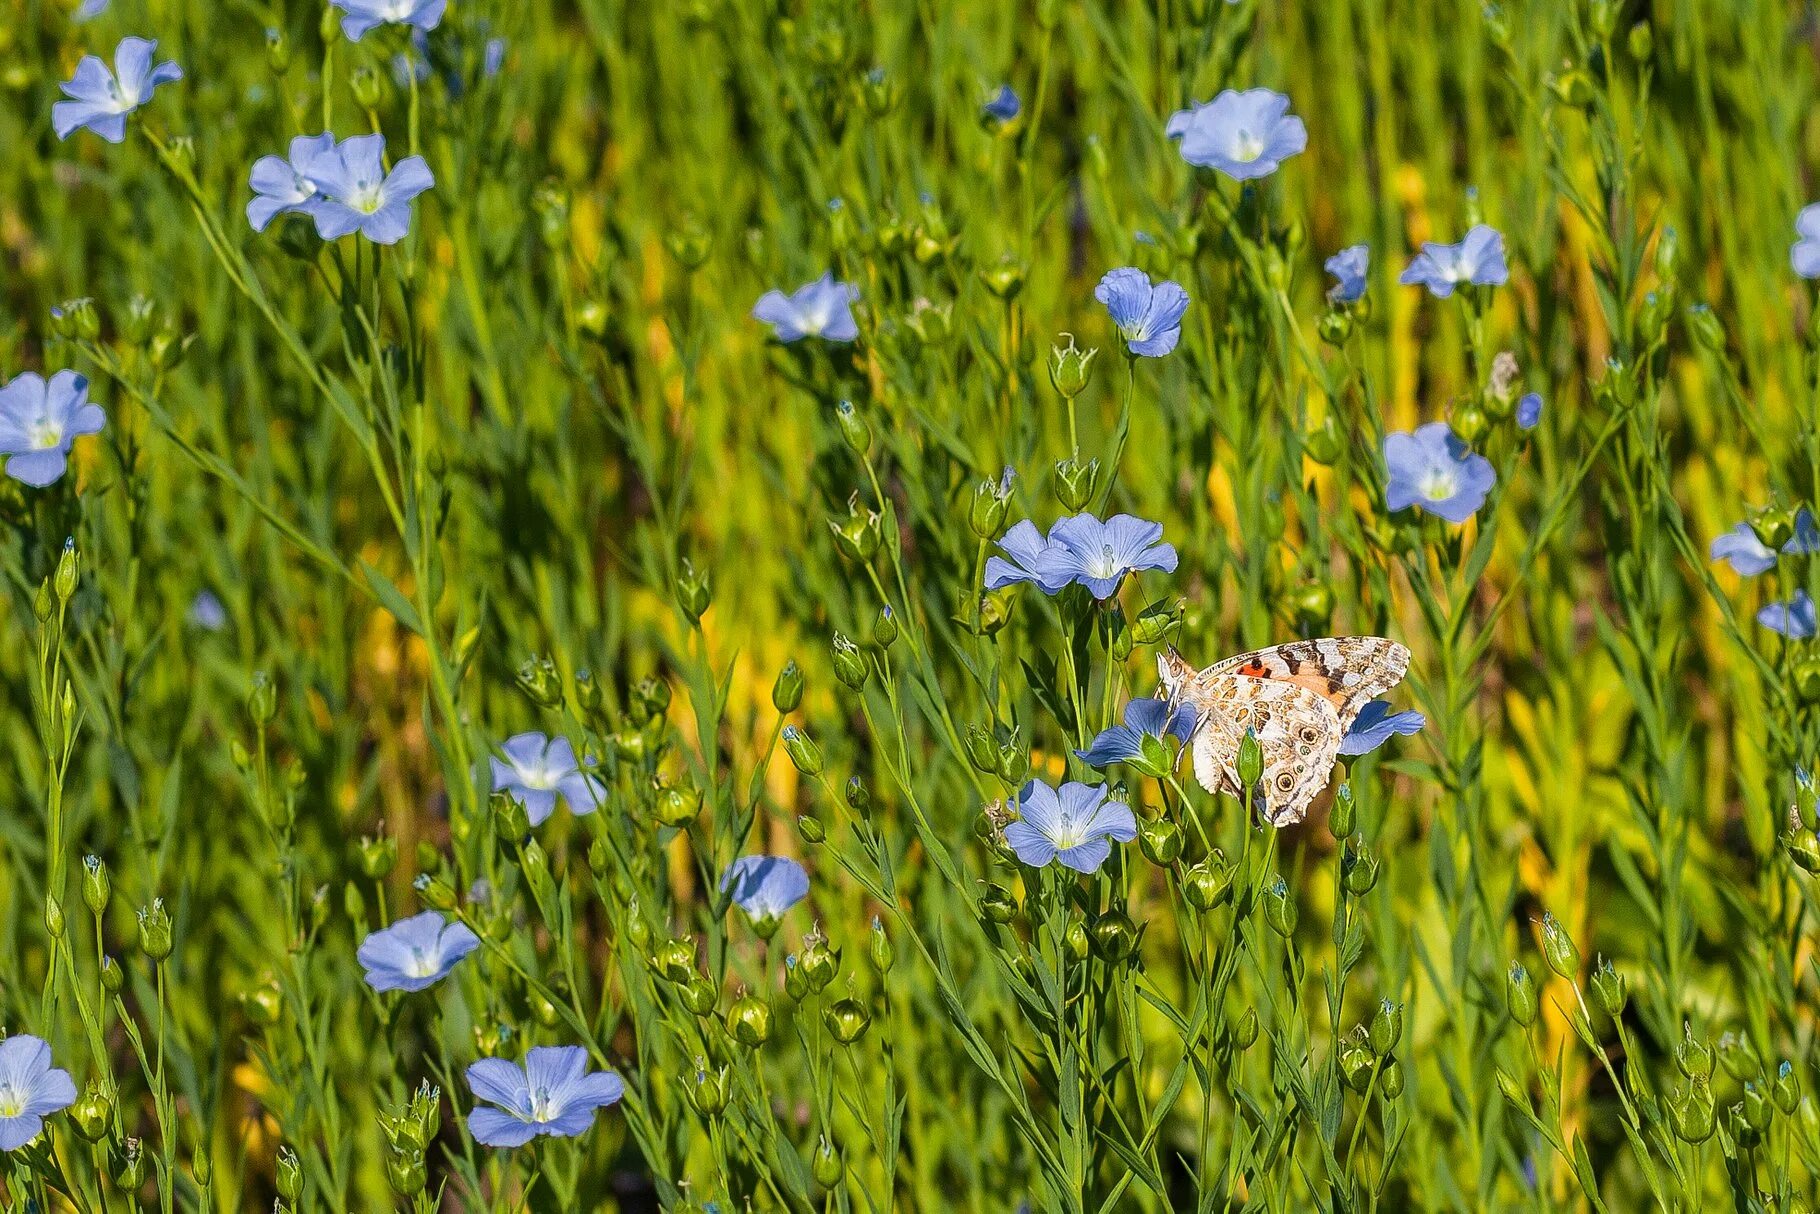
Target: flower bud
{"points": [[857, 536], [847, 1019], [378, 856], [1706, 328], [802, 751], [1512, 1090], [437, 894], [510, 821], [1160, 839], [995, 610], [364, 83], [796, 985], [1250, 762], [406, 1174], [690, 243], [880, 952], [1470, 421], [1520, 994], [982, 749], [1013, 764], [1076, 941], [1280, 909], [787, 691], [1738, 1057], [827, 1167], [1004, 278], [1608, 989], [1156, 622], [1755, 1108], [1334, 327], [1344, 818], [1786, 1091], [1803, 845], [77, 319], [155, 931], [1642, 46], [1245, 1033], [126, 1164], [1774, 525], [693, 594], [111, 977], [1070, 368], [1558, 948], [1693, 1056], [1357, 1061], [262, 699], [1386, 1027], [1390, 1079], [853, 428], [53, 916], [289, 1175], [991, 500], [850, 665], [1324, 444], [879, 92], [69, 567], [819, 962], [1358, 868]]}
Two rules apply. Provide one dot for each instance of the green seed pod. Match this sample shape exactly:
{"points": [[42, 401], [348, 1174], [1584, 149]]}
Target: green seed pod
{"points": [[262, 699], [982, 749], [1774, 525], [884, 627], [1390, 1079], [1208, 884], [263, 1003], [1520, 994], [1312, 606], [1738, 1057], [111, 977], [289, 1176], [1470, 421], [1642, 46], [1693, 1056], [364, 83], [155, 931], [711, 1090], [1156, 622], [810, 828], [1324, 444], [677, 805], [510, 820], [1004, 278], [850, 664], [378, 856], [1558, 948], [1806, 678], [847, 1019], [93, 1113], [857, 536], [1013, 764], [698, 995], [1706, 328], [878, 92], [406, 1174], [1280, 909], [539, 679], [1114, 938], [1755, 1108], [68, 571], [1803, 847], [996, 905], [1386, 1027], [1070, 368], [819, 962], [1160, 839], [1608, 988], [991, 502], [1075, 481], [1358, 868], [787, 691], [1335, 326], [53, 916], [803, 751], [1357, 1061], [674, 960]]}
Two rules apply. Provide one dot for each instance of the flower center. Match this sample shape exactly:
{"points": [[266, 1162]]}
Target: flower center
{"points": [[422, 965], [541, 1107], [45, 435], [1068, 833], [539, 777], [1105, 564], [12, 1102], [1440, 484], [1247, 147]]}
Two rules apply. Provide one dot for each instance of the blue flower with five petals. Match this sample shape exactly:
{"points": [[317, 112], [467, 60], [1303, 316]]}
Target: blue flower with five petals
{"points": [[1148, 317], [1145, 717], [1245, 135], [1434, 471], [553, 1093], [1477, 260], [100, 99], [1376, 725], [1073, 825]]}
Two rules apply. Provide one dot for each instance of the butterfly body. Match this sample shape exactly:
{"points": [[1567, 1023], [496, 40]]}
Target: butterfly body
{"points": [[1297, 699]]}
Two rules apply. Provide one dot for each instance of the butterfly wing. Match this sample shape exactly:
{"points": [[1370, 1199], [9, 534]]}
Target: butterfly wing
{"points": [[1298, 731], [1347, 672]]}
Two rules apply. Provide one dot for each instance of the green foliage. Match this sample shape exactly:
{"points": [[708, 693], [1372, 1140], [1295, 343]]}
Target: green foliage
{"points": [[536, 468]]}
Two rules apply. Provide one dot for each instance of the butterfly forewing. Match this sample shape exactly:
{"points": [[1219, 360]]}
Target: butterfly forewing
{"points": [[1348, 672]]}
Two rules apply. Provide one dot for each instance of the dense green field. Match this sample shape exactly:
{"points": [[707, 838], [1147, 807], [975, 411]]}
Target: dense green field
{"points": [[499, 429]]}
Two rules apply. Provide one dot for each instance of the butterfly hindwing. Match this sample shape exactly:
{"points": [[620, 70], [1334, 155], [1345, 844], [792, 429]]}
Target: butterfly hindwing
{"points": [[1298, 733]]}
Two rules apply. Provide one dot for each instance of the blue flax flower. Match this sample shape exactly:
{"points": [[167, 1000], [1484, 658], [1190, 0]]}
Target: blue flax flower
{"points": [[1028, 550], [100, 99], [1433, 471], [765, 887], [1149, 317], [1002, 106], [281, 186], [823, 308], [206, 611], [1072, 824], [1099, 555], [39, 421], [1144, 718], [30, 1089], [1794, 619], [1244, 135], [356, 194], [88, 10], [537, 768], [553, 1093], [1749, 556], [1804, 254], [1349, 266], [414, 953], [1477, 260], [1529, 411], [1376, 725], [365, 15]]}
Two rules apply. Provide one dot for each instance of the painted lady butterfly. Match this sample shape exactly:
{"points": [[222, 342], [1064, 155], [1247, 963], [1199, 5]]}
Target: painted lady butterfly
{"points": [[1299, 699]]}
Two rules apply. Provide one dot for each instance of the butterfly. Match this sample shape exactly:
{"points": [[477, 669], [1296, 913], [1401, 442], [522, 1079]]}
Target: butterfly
{"points": [[1298, 699]]}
